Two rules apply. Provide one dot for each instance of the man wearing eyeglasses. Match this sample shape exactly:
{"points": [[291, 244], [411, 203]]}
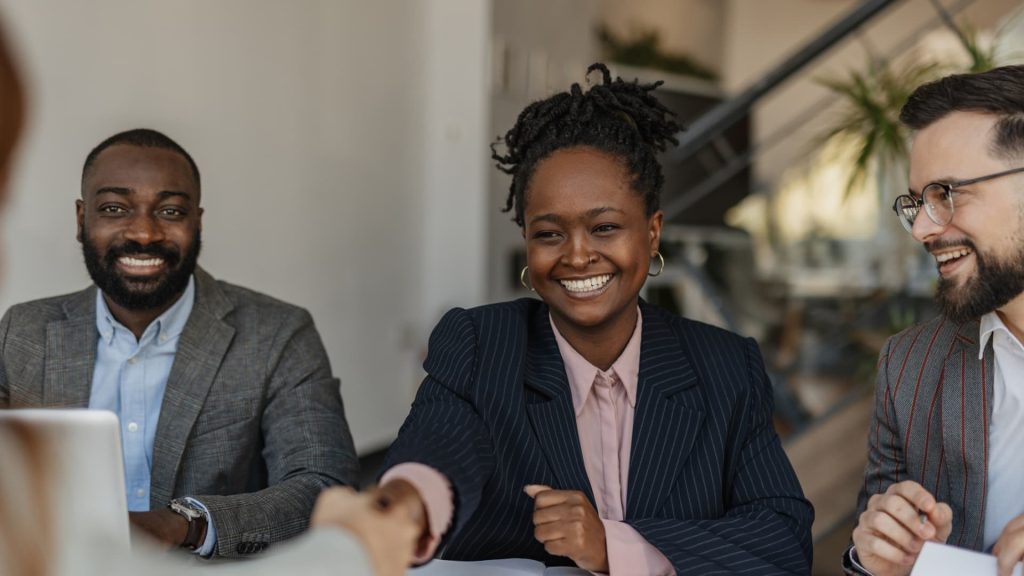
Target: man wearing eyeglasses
{"points": [[944, 452]]}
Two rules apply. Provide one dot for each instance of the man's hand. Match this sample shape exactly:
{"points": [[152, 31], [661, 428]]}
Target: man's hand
{"points": [[890, 533], [163, 525], [1009, 548], [566, 523], [388, 534]]}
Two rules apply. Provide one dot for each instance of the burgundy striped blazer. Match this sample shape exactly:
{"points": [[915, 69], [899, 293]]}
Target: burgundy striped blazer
{"points": [[933, 404]]}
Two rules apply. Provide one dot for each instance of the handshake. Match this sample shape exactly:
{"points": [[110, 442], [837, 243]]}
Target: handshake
{"points": [[389, 521]]}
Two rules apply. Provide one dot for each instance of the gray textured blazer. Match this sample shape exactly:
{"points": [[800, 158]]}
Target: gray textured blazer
{"points": [[933, 405], [251, 424]]}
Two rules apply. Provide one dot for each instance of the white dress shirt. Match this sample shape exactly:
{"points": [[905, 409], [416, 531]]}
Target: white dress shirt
{"points": [[1006, 429]]}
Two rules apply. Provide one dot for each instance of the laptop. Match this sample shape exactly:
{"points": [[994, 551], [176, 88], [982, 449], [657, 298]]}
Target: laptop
{"points": [[86, 481]]}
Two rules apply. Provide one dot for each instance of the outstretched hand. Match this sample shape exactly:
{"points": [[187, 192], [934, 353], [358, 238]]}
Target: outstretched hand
{"points": [[388, 534]]}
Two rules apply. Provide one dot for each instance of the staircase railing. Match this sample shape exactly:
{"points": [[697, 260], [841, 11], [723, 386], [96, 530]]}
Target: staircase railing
{"points": [[709, 128]]}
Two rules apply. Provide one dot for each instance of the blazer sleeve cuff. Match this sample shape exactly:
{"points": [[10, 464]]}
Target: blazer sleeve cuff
{"points": [[209, 544]]}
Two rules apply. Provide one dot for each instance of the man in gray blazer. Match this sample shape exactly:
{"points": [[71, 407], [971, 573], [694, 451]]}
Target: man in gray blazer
{"points": [[944, 460], [231, 420]]}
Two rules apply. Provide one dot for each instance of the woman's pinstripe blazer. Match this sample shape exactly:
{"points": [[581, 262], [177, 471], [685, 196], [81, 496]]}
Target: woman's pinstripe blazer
{"points": [[709, 484]]}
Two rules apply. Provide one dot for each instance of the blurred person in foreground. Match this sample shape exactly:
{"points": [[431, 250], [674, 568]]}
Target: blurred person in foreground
{"points": [[351, 533], [944, 460], [589, 427]]}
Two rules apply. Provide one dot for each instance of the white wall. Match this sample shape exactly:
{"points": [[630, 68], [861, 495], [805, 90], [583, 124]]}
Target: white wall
{"points": [[340, 143], [455, 158]]}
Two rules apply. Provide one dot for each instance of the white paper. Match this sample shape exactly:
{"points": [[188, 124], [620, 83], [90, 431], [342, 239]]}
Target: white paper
{"points": [[504, 567], [942, 560]]}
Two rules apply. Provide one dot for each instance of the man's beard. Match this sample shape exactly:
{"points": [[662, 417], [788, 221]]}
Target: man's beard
{"points": [[138, 293], [993, 285]]}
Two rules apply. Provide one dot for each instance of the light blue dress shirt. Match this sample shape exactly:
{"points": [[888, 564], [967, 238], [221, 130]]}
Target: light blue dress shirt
{"points": [[129, 379]]}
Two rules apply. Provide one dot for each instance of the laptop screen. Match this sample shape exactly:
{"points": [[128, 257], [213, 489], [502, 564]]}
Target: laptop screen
{"points": [[83, 478]]}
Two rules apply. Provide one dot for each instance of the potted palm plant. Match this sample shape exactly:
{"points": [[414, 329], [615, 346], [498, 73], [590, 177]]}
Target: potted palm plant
{"points": [[869, 128], [874, 97]]}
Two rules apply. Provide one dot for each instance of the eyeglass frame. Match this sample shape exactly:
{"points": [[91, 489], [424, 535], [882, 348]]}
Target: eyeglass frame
{"points": [[948, 188]]}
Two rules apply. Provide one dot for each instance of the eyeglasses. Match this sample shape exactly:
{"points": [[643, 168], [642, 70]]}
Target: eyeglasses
{"points": [[937, 199]]}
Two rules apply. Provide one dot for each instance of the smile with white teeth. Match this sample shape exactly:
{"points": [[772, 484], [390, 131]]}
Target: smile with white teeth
{"points": [[951, 255], [587, 284], [140, 262]]}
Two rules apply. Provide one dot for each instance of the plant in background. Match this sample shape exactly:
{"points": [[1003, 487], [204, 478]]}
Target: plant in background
{"points": [[870, 123], [644, 51], [874, 98], [982, 58]]}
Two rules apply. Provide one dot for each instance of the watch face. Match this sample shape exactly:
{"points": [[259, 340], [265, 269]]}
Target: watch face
{"points": [[196, 521], [185, 508]]}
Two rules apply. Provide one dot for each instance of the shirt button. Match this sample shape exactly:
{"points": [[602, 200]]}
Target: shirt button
{"points": [[140, 492], [132, 426], [133, 360]]}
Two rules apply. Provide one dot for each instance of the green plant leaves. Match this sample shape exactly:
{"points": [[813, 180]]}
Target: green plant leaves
{"points": [[874, 97]]}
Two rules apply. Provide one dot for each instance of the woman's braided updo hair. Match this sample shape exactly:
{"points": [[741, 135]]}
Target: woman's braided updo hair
{"points": [[620, 118]]}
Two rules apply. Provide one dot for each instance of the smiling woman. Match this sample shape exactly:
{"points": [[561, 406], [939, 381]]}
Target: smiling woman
{"points": [[588, 244], [591, 428]]}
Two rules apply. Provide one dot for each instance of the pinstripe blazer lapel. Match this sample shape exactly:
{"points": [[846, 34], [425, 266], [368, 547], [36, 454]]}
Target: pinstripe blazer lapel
{"points": [[667, 421], [71, 353], [552, 416], [201, 349], [966, 409]]}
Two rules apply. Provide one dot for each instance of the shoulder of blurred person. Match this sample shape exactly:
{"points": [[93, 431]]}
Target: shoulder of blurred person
{"points": [[25, 521]]}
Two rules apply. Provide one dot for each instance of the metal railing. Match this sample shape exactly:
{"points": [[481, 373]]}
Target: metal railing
{"points": [[710, 127]]}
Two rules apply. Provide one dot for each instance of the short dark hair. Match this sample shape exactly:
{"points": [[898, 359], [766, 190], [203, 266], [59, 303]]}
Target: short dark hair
{"points": [[620, 118], [999, 92], [145, 138]]}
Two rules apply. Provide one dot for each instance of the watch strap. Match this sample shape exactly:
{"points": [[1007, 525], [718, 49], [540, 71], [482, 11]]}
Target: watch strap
{"points": [[196, 519]]}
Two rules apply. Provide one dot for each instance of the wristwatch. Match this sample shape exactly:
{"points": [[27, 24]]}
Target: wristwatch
{"points": [[196, 522]]}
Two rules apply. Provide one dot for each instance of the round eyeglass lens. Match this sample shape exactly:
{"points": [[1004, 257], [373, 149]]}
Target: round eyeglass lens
{"points": [[907, 209], [938, 203]]}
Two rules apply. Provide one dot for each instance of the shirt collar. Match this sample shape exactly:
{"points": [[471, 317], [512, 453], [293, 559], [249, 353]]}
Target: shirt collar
{"points": [[581, 373], [168, 325], [988, 325]]}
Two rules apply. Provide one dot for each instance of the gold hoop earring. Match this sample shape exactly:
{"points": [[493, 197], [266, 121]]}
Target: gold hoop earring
{"points": [[522, 279], [661, 268]]}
